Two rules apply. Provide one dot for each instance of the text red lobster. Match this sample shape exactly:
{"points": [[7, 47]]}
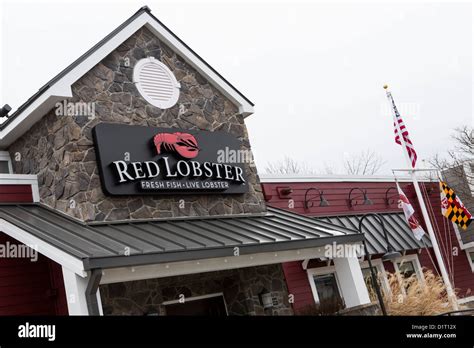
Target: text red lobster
{"points": [[184, 144]]}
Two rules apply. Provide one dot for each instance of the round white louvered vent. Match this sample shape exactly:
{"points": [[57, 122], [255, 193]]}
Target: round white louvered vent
{"points": [[156, 83]]}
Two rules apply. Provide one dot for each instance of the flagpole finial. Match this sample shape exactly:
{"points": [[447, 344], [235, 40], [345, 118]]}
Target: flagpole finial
{"points": [[385, 86]]}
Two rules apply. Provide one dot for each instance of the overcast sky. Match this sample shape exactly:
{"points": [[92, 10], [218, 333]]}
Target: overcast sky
{"points": [[315, 71]]}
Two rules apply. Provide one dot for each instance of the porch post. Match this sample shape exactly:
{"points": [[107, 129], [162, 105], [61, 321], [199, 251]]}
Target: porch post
{"points": [[75, 287], [351, 281]]}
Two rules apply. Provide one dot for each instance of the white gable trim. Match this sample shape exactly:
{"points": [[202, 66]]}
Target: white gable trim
{"points": [[70, 262], [61, 89]]}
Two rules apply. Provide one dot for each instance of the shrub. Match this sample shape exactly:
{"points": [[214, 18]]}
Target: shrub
{"points": [[410, 296]]}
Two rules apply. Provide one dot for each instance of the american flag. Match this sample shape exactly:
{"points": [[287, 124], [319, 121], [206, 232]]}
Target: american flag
{"points": [[398, 119]]}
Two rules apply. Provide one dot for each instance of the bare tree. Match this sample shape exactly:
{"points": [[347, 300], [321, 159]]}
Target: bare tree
{"points": [[366, 162], [463, 150], [288, 166], [460, 154]]}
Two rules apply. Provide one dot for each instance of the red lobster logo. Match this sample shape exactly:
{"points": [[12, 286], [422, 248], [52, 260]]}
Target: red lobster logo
{"points": [[184, 144]]}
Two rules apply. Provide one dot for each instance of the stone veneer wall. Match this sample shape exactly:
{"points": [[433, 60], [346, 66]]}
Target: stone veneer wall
{"points": [[241, 288], [60, 151]]}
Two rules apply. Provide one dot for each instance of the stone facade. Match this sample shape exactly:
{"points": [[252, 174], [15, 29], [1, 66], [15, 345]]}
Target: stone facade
{"points": [[241, 289], [59, 149]]}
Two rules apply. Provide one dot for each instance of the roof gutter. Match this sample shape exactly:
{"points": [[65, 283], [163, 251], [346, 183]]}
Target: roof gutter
{"points": [[91, 292]]}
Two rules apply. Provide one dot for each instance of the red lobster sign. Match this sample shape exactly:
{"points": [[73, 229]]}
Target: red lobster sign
{"points": [[184, 144]]}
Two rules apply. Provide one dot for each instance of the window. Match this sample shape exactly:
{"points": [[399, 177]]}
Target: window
{"points": [[408, 266], [407, 269], [4, 169], [382, 280], [5, 163], [470, 256], [327, 289], [367, 274]]}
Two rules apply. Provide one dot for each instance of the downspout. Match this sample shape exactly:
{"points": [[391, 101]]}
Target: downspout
{"points": [[91, 291]]}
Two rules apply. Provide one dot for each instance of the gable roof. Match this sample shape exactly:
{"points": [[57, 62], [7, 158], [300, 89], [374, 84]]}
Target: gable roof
{"points": [[59, 87]]}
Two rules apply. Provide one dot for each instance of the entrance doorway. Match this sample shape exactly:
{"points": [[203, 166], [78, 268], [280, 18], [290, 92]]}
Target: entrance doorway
{"points": [[208, 305]]}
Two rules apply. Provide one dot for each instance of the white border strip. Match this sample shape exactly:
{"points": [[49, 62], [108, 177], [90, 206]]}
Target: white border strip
{"points": [[125, 274]]}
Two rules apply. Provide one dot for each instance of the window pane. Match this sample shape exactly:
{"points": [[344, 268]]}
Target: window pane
{"points": [[4, 167], [326, 287], [472, 256], [368, 282], [407, 269]]}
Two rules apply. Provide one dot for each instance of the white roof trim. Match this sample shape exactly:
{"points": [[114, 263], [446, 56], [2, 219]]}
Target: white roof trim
{"points": [[271, 178], [61, 89], [74, 264]]}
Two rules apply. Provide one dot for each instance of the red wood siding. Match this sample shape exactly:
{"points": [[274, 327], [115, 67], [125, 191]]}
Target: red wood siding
{"points": [[455, 259], [15, 194], [336, 193], [27, 287], [298, 285]]}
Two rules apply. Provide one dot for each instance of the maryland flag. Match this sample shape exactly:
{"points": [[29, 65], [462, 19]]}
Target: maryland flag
{"points": [[452, 207]]}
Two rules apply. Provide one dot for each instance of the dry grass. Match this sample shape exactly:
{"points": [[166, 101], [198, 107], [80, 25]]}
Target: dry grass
{"points": [[409, 296]]}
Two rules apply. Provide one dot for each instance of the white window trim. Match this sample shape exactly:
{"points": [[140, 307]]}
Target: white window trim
{"points": [[321, 271], [469, 259], [202, 297], [5, 155], [416, 263], [466, 300], [378, 264]]}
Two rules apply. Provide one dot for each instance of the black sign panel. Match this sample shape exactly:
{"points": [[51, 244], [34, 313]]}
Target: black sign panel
{"points": [[136, 160]]}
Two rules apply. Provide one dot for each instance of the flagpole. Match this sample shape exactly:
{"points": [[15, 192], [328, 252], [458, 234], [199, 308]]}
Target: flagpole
{"points": [[424, 211]]}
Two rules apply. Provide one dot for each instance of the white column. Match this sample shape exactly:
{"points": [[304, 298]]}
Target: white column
{"points": [[75, 287], [351, 281]]}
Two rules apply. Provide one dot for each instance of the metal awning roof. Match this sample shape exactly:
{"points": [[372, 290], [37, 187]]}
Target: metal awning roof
{"points": [[399, 233], [130, 243]]}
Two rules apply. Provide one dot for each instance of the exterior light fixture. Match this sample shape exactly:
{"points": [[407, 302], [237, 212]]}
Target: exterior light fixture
{"points": [[267, 300], [308, 203], [5, 110], [391, 255], [389, 200], [366, 201], [284, 191]]}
